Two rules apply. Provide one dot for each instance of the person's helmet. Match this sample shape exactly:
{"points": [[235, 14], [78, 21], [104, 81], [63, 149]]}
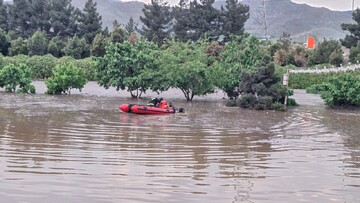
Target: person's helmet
{"points": [[161, 99]]}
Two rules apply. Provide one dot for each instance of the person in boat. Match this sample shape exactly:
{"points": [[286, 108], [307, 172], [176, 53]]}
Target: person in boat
{"points": [[163, 104], [155, 102]]}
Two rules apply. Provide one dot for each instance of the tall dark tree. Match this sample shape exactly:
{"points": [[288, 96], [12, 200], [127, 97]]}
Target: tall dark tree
{"points": [[63, 19], [131, 26], [354, 29], [5, 43], [28, 16], [118, 34], [233, 18], [156, 20], [3, 16], [196, 19], [19, 15], [40, 16], [90, 22]]}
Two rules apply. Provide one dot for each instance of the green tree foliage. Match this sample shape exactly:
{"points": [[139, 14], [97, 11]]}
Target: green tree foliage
{"points": [[37, 44], [156, 20], [130, 27], [12, 76], [185, 66], [28, 16], [195, 19], [233, 18], [343, 90], [5, 43], [18, 46], [118, 34], [19, 15], [354, 29], [42, 66], [128, 66], [65, 78], [55, 47], [98, 45], [89, 22], [63, 18], [4, 22], [243, 54], [77, 48], [262, 87], [324, 50]]}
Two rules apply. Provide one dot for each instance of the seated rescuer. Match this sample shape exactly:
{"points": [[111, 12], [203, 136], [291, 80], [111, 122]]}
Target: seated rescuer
{"points": [[163, 104], [155, 101]]}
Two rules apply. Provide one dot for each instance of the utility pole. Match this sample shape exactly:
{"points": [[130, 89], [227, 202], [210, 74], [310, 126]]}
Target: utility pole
{"points": [[265, 26], [353, 5]]}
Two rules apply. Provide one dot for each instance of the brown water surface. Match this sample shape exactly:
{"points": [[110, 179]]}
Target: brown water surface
{"points": [[81, 148]]}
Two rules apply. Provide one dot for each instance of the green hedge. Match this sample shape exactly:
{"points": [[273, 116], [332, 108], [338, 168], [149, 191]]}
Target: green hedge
{"points": [[42, 67], [305, 80]]}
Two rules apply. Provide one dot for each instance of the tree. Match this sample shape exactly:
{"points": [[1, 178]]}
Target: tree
{"points": [[5, 43], [65, 78], [19, 15], [4, 25], [195, 20], [354, 29], [261, 89], [156, 20], [242, 54], [12, 76], [18, 46], [323, 52], [77, 48], [29, 16], [98, 46], [55, 47], [128, 66], [63, 19], [186, 68], [118, 34], [89, 22], [233, 18], [130, 27], [40, 16], [37, 44]]}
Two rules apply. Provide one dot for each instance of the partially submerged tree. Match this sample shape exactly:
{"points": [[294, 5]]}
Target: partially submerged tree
{"points": [[65, 78], [128, 66], [185, 66]]}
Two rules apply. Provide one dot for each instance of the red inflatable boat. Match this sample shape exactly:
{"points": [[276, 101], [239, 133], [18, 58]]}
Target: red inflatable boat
{"points": [[143, 109]]}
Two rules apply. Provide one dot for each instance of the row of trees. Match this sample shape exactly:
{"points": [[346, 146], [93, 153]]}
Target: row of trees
{"points": [[191, 20], [54, 18]]}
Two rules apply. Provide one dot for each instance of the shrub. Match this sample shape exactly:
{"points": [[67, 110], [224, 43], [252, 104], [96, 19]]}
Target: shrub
{"points": [[12, 76], [318, 88], [344, 90], [42, 66], [65, 78]]}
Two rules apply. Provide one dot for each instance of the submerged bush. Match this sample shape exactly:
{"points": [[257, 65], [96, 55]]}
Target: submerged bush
{"points": [[12, 76], [343, 90], [65, 78]]}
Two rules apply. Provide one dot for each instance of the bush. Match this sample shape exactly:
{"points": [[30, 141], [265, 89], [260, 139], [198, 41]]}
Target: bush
{"points": [[12, 76], [42, 66], [318, 88], [65, 78], [344, 90]]}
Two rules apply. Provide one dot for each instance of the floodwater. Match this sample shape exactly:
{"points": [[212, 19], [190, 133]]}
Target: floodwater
{"points": [[81, 148]]}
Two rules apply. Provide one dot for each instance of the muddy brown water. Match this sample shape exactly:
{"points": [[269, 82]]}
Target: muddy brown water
{"points": [[81, 148]]}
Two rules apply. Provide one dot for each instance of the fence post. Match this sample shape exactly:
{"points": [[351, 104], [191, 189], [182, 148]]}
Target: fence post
{"points": [[286, 83]]}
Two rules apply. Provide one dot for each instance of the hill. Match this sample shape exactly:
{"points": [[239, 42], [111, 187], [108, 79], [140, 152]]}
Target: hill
{"points": [[300, 20]]}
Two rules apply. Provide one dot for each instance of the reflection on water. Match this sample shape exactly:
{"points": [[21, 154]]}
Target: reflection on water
{"points": [[81, 148]]}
